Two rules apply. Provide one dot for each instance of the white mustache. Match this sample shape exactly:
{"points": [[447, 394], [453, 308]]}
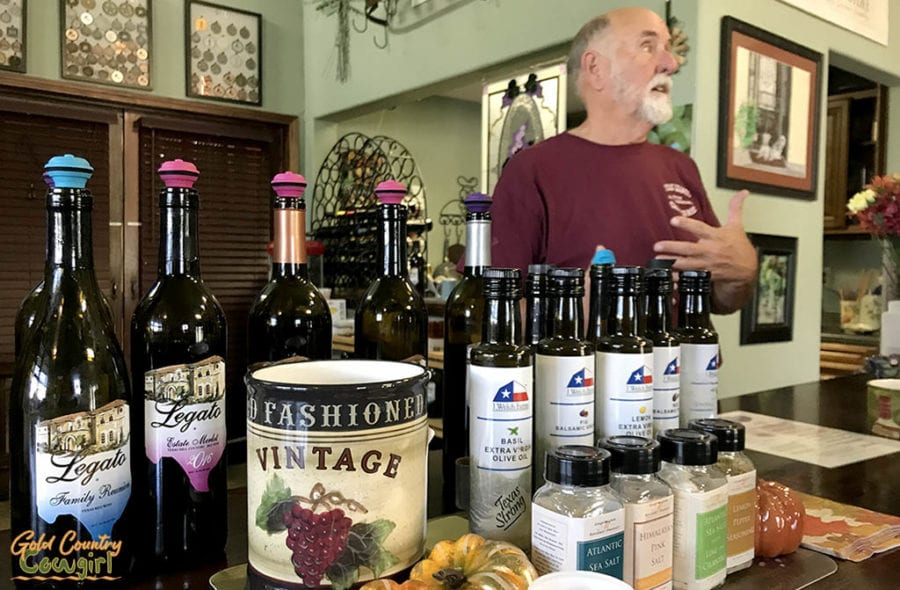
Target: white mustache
{"points": [[663, 80]]}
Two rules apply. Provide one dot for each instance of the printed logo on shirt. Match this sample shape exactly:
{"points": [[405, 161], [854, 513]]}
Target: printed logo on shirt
{"points": [[511, 397], [642, 376], [680, 199]]}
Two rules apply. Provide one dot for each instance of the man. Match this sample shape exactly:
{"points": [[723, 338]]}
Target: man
{"points": [[603, 183]]}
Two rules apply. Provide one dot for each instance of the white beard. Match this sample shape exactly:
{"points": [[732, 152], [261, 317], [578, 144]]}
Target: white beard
{"points": [[656, 108]]}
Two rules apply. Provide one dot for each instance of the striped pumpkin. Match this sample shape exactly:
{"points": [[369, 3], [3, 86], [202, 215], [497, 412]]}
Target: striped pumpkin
{"points": [[473, 563]]}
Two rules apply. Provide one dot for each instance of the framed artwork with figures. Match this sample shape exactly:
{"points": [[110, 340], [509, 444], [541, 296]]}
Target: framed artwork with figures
{"points": [[769, 317]]}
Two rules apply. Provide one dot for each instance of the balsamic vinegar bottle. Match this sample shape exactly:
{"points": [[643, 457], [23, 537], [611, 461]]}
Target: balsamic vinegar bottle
{"points": [[391, 322], [462, 328], [624, 363], [178, 356], [564, 373], [73, 499], [500, 386], [699, 348], [666, 349], [289, 317], [537, 301]]}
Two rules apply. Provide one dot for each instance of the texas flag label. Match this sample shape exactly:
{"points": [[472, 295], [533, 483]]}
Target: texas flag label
{"points": [[624, 393], [641, 376], [511, 392]]}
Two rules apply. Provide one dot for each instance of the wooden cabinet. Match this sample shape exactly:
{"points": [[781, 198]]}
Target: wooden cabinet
{"points": [[854, 151]]}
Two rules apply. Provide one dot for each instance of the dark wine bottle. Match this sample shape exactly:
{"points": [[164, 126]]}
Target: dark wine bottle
{"points": [[666, 349], [600, 295], [417, 272], [564, 373], [289, 317], [699, 348], [73, 496], [178, 340], [537, 302], [624, 362], [391, 322], [462, 328], [500, 386]]}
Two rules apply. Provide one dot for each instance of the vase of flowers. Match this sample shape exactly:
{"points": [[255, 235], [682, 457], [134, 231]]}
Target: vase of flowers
{"points": [[877, 208]]}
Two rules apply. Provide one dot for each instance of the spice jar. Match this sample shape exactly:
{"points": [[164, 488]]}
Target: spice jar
{"points": [[701, 498], [577, 523], [649, 510], [741, 475]]}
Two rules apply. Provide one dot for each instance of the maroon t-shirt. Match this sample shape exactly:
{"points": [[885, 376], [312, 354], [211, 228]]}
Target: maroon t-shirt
{"points": [[558, 200]]}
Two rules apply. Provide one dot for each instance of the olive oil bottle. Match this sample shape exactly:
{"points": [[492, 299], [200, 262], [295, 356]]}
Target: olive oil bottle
{"points": [[666, 349], [699, 348]]}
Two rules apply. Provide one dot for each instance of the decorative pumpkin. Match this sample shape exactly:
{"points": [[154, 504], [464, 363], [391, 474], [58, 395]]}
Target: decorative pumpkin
{"points": [[386, 584], [473, 563], [779, 519]]}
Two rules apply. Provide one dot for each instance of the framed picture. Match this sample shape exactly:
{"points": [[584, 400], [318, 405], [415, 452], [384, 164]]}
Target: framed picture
{"points": [[769, 112], [224, 53], [107, 42], [12, 35], [769, 317]]}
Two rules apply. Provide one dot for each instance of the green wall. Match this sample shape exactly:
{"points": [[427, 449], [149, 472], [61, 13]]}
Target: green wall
{"points": [[282, 48]]}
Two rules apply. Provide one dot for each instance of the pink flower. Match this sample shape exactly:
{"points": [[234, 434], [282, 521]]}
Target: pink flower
{"points": [[877, 207]]}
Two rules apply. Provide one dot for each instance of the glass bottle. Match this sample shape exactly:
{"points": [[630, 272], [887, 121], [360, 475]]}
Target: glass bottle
{"points": [[600, 275], [462, 328], [577, 522], [500, 413], [649, 510], [666, 349], [417, 273], [564, 372], [699, 348], [624, 362], [178, 352], [391, 322], [537, 301], [72, 480], [289, 317], [741, 475], [701, 500]]}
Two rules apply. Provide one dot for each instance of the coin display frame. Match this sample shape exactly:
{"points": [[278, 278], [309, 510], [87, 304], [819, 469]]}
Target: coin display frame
{"points": [[223, 33], [100, 28], [12, 29]]}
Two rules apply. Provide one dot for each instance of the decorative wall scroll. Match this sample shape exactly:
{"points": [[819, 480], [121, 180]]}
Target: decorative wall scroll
{"points": [[106, 41], [517, 113], [12, 35], [224, 53]]}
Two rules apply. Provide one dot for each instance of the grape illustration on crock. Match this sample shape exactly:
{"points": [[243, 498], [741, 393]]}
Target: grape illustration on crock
{"points": [[321, 536]]}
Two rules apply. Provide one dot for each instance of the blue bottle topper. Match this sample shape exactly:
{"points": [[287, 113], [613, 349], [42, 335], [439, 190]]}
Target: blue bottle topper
{"points": [[67, 171]]}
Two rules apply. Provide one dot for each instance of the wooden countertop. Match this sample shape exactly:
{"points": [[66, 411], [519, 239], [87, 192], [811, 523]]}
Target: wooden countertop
{"points": [[838, 403]]}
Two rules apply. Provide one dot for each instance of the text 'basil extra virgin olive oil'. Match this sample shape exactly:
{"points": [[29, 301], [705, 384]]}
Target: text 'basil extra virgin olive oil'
{"points": [[462, 328], [500, 386], [290, 317], [178, 364], [391, 322], [73, 504]]}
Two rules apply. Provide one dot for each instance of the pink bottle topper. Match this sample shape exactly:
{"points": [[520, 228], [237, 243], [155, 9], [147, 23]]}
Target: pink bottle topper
{"points": [[178, 174], [390, 192], [289, 184]]}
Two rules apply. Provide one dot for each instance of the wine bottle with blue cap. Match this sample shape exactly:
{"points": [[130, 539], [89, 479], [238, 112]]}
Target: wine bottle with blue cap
{"points": [[73, 498]]}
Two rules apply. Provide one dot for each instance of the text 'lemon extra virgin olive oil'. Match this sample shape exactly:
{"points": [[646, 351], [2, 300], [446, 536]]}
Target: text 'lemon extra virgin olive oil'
{"points": [[178, 338], [624, 362], [73, 501], [500, 386], [462, 328], [699, 348], [391, 322], [290, 317]]}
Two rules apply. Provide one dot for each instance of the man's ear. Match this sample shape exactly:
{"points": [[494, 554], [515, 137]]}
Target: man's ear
{"points": [[595, 69]]}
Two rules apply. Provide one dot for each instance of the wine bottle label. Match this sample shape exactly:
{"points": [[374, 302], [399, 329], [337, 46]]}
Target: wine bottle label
{"points": [[562, 543], [701, 529], [699, 382], [82, 469], [184, 417], [564, 404], [741, 518], [500, 441], [648, 544], [624, 394], [666, 387]]}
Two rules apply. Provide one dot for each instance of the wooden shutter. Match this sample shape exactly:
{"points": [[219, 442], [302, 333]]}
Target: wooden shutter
{"points": [[27, 141], [235, 173]]}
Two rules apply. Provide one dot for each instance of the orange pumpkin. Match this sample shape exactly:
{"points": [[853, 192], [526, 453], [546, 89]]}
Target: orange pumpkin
{"points": [[779, 519], [385, 584], [473, 563]]}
